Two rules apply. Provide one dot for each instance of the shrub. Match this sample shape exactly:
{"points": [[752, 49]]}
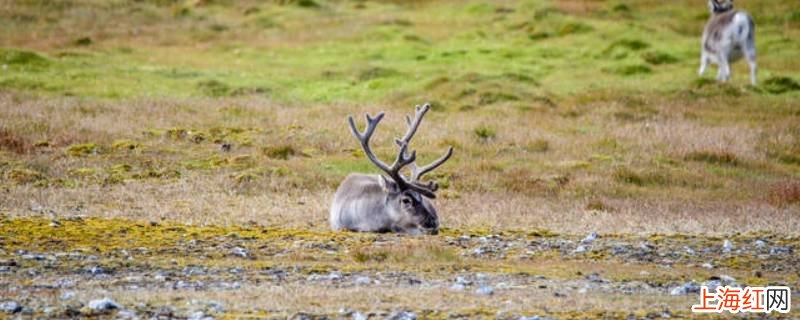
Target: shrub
{"points": [[658, 58], [485, 133], [785, 193], [282, 152], [713, 157], [778, 85]]}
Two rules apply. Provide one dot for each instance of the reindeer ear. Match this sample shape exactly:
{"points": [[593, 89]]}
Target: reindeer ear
{"points": [[388, 185]]}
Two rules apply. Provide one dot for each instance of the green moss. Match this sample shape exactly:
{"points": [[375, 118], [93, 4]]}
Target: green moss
{"points": [[630, 70], [484, 133], [23, 58], [84, 149], [125, 145], [84, 172], [282, 152], [214, 88], [23, 176], [659, 58]]}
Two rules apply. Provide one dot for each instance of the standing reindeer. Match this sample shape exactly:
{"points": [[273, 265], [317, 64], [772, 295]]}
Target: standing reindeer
{"points": [[391, 203], [728, 35]]}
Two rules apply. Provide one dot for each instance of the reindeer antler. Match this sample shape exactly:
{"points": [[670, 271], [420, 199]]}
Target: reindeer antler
{"points": [[402, 160]]}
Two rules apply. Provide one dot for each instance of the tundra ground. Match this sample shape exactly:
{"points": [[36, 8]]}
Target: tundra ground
{"points": [[180, 157]]}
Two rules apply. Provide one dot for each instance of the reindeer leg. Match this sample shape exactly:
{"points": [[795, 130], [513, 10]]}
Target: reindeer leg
{"points": [[751, 60], [703, 64], [724, 71]]}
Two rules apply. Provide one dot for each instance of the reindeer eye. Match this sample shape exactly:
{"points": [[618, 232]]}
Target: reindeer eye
{"points": [[406, 200]]}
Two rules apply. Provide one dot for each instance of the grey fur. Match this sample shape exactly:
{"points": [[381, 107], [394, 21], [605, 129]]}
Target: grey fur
{"points": [[728, 36], [367, 203]]}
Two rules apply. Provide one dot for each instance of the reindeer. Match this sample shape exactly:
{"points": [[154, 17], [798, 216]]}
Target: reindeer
{"points": [[728, 35], [391, 202]]}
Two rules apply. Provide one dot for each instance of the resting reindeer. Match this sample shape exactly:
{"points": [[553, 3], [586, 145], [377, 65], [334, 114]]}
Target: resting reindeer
{"points": [[729, 35], [391, 203]]}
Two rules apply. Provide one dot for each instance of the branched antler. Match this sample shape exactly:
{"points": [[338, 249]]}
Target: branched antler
{"points": [[402, 160]]}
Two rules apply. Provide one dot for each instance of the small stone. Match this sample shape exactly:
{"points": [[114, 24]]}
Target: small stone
{"points": [[334, 276], [618, 250], [689, 250], [359, 316], [463, 281], [241, 252], [595, 277], [10, 306], [529, 318], [457, 287], [647, 247], [198, 315], [780, 250], [96, 270], [686, 288], [126, 314], [590, 238], [760, 243], [580, 249], [707, 265], [362, 280], [403, 315], [54, 223], [104, 304], [726, 279], [485, 291], [727, 246], [66, 295]]}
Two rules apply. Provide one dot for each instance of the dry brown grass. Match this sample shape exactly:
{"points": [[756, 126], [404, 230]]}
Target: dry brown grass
{"points": [[177, 171]]}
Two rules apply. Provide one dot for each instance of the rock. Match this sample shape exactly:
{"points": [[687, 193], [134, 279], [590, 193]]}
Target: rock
{"points": [[590, 238], [333, 276], [403, 315], [689, 250], [54, 223], [457, 287], [727, 279], [760, 243], [362, 280], [10, 306], [463, 281], [104, 304], [194, 271], [646, 247], [485, 291], [707, 265], [66, 295], [618, 250], [727, 246], [199, 315], [686, 288], [712, 284], [530, 318], [359, 316], [780, 250], [580, 249], [97, 270], [126, 314], [241, 252], [595, 277]]}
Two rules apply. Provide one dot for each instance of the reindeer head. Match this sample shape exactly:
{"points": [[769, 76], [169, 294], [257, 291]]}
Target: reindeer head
{"points": [[405, 196], [720, 6]]}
